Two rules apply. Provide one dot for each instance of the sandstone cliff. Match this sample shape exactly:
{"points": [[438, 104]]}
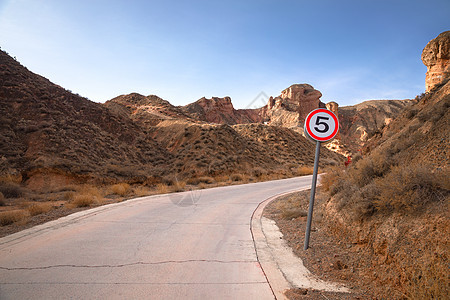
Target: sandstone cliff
{"points": [[359, 122], [221, 111], [436, 56]]}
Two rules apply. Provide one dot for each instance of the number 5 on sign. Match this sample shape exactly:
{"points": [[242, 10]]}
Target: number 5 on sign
{"points": [[321, 125]]}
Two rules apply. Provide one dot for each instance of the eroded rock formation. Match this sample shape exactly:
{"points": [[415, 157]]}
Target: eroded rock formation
{"points": [[292, 106], [221, 111], [436, 56]]}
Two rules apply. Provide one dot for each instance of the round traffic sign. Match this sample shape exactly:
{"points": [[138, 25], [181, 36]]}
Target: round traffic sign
{"points": [[321, 125]]}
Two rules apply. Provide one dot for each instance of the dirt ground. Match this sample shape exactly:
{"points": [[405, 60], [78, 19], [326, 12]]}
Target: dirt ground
{"points": [[327, 257]]}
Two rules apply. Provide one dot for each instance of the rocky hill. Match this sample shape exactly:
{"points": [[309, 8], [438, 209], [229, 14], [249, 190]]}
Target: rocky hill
{"points": [[45, 129], [361, 121], [50, 135], [221, 111], [391, 206]]}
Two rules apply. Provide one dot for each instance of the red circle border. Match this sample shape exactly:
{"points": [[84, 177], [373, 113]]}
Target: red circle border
{"points": [[308, 129]]}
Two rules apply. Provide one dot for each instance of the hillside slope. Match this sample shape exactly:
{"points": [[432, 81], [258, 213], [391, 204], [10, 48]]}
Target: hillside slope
{"points": [[358, 122], [45, 127], [392, 205]]}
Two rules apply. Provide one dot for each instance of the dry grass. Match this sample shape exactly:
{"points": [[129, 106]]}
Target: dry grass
{"points": [[11, 190], [179, 186], [141, 191], [303, 170], [88, 196], [429, 281], [13, 216], [410, 187], [222, 178], [38, 208], [202, 179], [121, 189], [293, 213], [162, 188]]}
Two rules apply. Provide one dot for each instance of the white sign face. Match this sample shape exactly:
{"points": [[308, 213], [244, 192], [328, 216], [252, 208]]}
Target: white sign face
{"points": [[321, 125]]}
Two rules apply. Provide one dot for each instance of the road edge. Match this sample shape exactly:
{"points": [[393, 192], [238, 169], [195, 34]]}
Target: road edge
{"points": [[274, 276]]}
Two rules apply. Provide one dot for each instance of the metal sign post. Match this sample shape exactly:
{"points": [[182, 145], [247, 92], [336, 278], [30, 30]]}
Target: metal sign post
{"points": [[321, 125]]}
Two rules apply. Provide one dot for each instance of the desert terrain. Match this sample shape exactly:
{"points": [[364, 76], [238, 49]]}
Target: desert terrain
{"points": [[61, 153]]}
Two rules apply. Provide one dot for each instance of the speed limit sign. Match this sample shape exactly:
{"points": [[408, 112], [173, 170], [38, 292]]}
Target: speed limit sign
{"points": [[321, 125]]}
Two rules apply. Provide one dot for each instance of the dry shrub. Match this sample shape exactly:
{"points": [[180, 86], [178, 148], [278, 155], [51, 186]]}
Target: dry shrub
{"points": [[162, 188], [367, 169], [179, 186], [409, 187], [293, 213], [304, 170], [222, 178], [237, 177], [328, 179], [83, 200], [11, 190], [68, 196], [2, 200], [88, 196], [258, 172], [39, 208], [430, 280], [121, 189], [13, 216], [202, 179], [141, 191]]}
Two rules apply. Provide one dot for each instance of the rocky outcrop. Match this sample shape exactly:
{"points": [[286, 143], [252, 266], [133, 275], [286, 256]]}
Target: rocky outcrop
{"points": [[305, 96], [359, 122], [436, 56], [292, 106], [221, 111]]}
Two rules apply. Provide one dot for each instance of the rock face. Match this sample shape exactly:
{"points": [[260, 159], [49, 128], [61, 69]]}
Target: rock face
{"points": [[292, 106], [436, 56], [305, 96], [221, 111]]}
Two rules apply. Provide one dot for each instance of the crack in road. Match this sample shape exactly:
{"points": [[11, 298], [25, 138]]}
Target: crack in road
{"points": [[130, 264]]}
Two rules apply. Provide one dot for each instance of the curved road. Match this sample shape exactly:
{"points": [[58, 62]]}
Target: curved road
{"points": [[190, 245]]}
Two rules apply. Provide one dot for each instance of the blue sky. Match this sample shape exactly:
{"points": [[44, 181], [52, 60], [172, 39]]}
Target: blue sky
{"points": [[183, 50]]}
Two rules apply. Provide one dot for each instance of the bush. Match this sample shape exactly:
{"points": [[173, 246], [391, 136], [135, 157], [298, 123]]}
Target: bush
{"points": [[162, 188], [121, 189], [83, 200], [429, 281], [11, 190], [330, 177], [12, 216], [237, 177], [39, 208], [293, 213], [303, 170], [409, 187], [88, 196], [369, 168], [198, 180]]}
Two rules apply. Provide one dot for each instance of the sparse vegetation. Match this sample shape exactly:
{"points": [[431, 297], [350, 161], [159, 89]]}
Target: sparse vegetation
{"points": [[38, 208], [13, 216], [11, 190], [121, 189], [304, 170]]}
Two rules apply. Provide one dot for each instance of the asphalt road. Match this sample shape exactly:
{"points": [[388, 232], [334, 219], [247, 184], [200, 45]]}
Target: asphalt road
{"points": [[190, 245]]}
